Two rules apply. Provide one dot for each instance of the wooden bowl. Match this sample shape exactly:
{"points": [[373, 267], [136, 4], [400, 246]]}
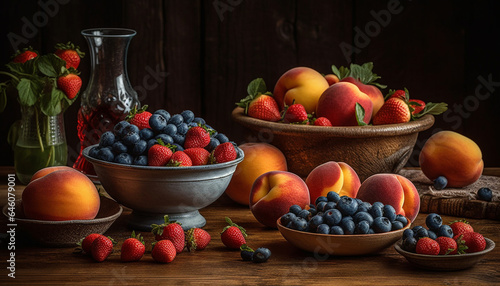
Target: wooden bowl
{"points": [[340, 245], [367, 149], [66, 233], [445, 262]]}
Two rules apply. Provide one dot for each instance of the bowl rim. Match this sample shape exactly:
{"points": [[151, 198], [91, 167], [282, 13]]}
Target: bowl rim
{"points": [[421, 124], [490, 245], [68, 222], [239, 158]]}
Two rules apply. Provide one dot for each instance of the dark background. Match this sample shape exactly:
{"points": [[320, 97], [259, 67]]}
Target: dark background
{"points": [[442, 51]]}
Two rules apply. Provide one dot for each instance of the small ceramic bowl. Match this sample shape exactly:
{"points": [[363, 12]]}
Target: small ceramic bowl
{"points": [[66, 233], [340, 245], [367, 149], [445, 262]]}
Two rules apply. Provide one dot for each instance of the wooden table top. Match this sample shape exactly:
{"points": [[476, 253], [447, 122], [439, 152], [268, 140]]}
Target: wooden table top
{"points": [[217, 265]]}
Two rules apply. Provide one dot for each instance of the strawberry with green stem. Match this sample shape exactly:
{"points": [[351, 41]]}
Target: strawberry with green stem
{"points": [[233, 235], [70, 53], [260, 103]]}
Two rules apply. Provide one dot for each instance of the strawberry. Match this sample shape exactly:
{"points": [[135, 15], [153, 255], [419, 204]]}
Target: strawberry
{"points": [[393, 111], [70, 53], [460, 227], [172, 231], [233, 235], [322, 121], [197, 137], [474, 241], [163, 251], [264, 107], [101, 248], [399, 93], [447, 245], [24, 56], [224, 152], [180, 159], [428, 246], [139, 117], [159, 154], [197, 239], [198, 156], [86, 242], [70, 84], [417, 104], [133, 248], [295, 113]]}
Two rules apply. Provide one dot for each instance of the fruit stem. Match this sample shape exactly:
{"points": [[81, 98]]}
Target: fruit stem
{"points": [[37, 122]]}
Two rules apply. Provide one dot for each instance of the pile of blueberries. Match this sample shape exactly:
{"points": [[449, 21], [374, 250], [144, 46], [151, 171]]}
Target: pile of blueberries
{"points": [[126, 144], [435, 229], [335, 214]]}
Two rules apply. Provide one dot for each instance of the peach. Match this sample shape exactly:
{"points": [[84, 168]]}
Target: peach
{"points": [[259, 158], [394, 190], [332, 176], [372, 91], [453, 156], [338, 104], [64, 194], [273, 193], [42, 172], [331, 78], [302, 85]]}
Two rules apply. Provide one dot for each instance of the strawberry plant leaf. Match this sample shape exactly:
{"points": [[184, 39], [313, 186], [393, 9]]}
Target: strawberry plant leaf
{"points": [[51, 65], [341, 72], [50, 102], [433, 109], [29, 91], [360, 115], [256, 86]]}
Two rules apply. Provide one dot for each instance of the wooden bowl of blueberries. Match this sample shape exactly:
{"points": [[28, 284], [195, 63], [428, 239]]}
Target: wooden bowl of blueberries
{"points": [[342, 226]]}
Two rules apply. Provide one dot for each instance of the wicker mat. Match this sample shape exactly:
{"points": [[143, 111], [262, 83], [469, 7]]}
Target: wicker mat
{"points": [[460, 202]]}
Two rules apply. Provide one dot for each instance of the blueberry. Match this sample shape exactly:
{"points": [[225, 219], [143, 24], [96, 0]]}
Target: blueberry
{"points": [[105, 154], [337, 230], [416, 228], [187, 116], [295, 209], [179, 139], [178, 147], [130, 128], [246, 255], [124, 158], [329, 206], [389, 212], [261, 254], [93, 152], [333, 196], [433, 221], [396, 225], [157, 122], [214, 142], [146, 134], [362, 227], [378, 204], [176, 120], [167, 139], [408, 233], [421, 232], [348, 226], [382, 224], [371, 231], [192, 124], [314, 222], [299, 224], [118, 128], [164, 113], [199, 120], [222, 138], [141, 160], [151, 142], [323, 229], [139, 147], [107, 139], [182, 128], [359, 201], [321, 206], [170, 130], [402, 219], [440, 183], [347, 205], [131, 137], [376, 211], [360, 216], [303, 214], [409, 244], [363, 207], [320, 199], [332, 217], [432, 234], [287, 218], [445, 230], [485, 194], [313, 211], [118, 147]]}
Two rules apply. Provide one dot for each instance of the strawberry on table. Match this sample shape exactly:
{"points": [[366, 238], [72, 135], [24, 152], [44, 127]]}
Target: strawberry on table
{"points": [[70, 53], [86, 242], [101, 248], [70, 83], [163, 251], [197, 137], [393, 111], [159, 154], [180, 159], [260, 103], [170, 230], [199, 156], [197, 239], [224, 152], [233, 235], [295, 113], [139, 117], [133, 248]]}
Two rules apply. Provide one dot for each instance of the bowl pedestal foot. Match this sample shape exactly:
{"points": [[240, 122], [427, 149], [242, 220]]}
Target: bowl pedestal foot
{"points": [[143, 221]]}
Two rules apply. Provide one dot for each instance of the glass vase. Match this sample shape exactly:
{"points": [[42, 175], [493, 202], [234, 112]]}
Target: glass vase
{"points": [[109, 96], [41, 143]]}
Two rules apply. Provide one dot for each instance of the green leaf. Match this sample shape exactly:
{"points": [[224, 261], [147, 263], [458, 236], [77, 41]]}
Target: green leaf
{"points": [[360, 114], [50, 102], [341, 72], [15, 68], [256, 86], [51, 65], [3, 96], [433, 109], [29, 91]]}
